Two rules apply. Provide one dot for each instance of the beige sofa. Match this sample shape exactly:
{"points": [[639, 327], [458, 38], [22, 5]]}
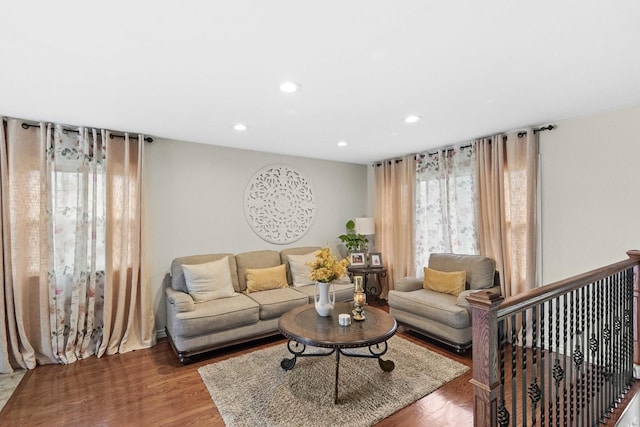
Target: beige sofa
{"points": [[195, 328], [441, 316]]}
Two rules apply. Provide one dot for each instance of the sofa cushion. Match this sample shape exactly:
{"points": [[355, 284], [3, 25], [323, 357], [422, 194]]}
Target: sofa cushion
{"points": [[209, 281], [284, 258], [480, 269], [177, 274], [451, 283], [275, 302], [255, 259], [264, 279], [299, 269], [436, 306], [217, 315]]}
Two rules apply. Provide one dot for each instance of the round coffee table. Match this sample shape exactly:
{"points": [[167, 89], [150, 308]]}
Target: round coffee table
{"points": [[304, 327]]}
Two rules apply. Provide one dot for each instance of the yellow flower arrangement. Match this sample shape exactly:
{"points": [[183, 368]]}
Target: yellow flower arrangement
{"points": [[326, 267]]}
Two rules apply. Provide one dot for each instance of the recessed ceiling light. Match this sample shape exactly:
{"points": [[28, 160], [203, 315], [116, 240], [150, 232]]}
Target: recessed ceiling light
{"points": [[289, 87], [412, 118], [342, 144], [240, 127]]}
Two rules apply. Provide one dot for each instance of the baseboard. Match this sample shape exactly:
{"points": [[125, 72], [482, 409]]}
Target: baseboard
{"points": [[161, 333]]}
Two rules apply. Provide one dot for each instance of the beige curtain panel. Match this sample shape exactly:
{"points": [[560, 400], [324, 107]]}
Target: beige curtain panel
{"points": [[507, 222], [128, 310], [395, 182], [24, 313]]}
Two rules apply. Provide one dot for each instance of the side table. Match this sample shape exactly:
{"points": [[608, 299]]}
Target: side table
{"points": [[371, 278]]}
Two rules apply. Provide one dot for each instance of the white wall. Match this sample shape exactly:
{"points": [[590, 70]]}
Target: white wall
{"points": [[194, 203], [590, 192]]}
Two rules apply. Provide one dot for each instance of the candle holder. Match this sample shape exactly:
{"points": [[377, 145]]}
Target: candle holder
{"points": [[359, 300]]}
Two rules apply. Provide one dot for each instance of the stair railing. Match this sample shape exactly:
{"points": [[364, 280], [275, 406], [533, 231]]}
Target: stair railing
{"points": [[560, 354]]}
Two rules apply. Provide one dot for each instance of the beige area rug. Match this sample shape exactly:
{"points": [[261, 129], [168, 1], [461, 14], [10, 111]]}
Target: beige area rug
{"points": [[8, 383], [253, 390]]}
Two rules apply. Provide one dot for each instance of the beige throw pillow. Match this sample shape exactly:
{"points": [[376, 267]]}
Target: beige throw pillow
{"points": [[209, 281], [263, 279], [300, 270], [342, 280], [452, 283]]}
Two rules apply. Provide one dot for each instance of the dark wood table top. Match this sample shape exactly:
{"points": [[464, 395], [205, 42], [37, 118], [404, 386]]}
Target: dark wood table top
{"points": [[304, 325]]}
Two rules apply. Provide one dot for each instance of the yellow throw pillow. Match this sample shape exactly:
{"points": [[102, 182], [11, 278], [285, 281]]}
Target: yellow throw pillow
{"points": [[445, 282], [262, 279]]}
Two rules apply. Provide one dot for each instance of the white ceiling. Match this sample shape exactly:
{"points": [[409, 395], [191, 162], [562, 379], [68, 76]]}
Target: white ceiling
{"points": [[189, 70]]}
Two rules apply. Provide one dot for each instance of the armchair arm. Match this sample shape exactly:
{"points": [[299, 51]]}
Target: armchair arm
{"points": [[462, 298], [181, 302], [409, 284]]}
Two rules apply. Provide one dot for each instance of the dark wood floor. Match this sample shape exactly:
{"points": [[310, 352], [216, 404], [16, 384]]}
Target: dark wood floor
{"points": [[150, 387]]}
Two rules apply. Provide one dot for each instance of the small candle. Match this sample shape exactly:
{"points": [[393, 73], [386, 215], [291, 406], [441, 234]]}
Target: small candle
{"points": [[344, 319], [359, 298]]}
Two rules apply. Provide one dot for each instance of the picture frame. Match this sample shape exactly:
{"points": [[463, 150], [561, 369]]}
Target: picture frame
{"points": [[357, 259], [376, 259]]}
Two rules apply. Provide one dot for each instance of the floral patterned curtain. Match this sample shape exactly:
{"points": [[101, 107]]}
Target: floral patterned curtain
{"points": [[73, 281], [446, 204], [76, 220]]}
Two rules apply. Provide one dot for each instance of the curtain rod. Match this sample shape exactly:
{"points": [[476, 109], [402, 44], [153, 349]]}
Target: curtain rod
{"points": [[536, 130], [520, 135], [111, 135], [450, 148]]}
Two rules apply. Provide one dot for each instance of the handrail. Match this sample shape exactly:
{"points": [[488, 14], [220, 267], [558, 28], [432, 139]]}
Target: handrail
{"points": [[545, 293]]}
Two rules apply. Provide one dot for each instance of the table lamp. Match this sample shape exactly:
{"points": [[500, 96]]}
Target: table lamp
{"points": [[366, 227]]}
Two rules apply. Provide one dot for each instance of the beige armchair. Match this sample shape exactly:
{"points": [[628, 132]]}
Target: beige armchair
{"points": [[441, 316]]}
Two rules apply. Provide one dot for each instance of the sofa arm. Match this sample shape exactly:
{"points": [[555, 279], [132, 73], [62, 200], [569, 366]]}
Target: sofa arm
{"points": [[181, 302], [409, 284]]}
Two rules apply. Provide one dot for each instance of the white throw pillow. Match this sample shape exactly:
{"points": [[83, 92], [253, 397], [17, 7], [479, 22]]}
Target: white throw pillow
{"points": [[300, 270], [209, 281]]}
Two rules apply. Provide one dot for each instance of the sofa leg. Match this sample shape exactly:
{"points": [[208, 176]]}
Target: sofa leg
{"points": [[460, 350]]}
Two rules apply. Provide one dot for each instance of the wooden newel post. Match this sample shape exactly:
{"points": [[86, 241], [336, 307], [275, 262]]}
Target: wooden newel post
{"points": [[484, 306], [635, 254]]}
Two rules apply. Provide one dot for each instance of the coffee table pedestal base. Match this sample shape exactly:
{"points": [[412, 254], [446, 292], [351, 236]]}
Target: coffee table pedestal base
{"points": [[376, 351]]}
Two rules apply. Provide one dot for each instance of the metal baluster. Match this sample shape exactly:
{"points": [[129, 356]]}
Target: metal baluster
{"points": [[583, 350], [592, 351], [558, 371], [552, 322], [572, 315], [564, 359], [610, 346], [543, 348], [533, 390], [514, 394], [628, 316], [594, 346], [602, 330], [523, 325], [617, 327], [503, 414]]}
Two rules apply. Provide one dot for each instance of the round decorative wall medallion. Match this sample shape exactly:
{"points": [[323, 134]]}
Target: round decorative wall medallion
{"points": [[279, 204]]}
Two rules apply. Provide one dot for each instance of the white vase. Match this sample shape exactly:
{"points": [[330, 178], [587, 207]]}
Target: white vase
{"points": [[325, 298]]}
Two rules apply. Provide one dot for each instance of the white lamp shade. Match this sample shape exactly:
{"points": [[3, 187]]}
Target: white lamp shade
{"points": [[365, 226]]}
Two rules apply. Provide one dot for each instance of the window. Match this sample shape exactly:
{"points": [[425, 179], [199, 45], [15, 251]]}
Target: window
{"points": [[446, 204]]}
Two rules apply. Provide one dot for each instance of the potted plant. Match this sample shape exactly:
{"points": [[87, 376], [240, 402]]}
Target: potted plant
{"points": [[352, 240]]}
